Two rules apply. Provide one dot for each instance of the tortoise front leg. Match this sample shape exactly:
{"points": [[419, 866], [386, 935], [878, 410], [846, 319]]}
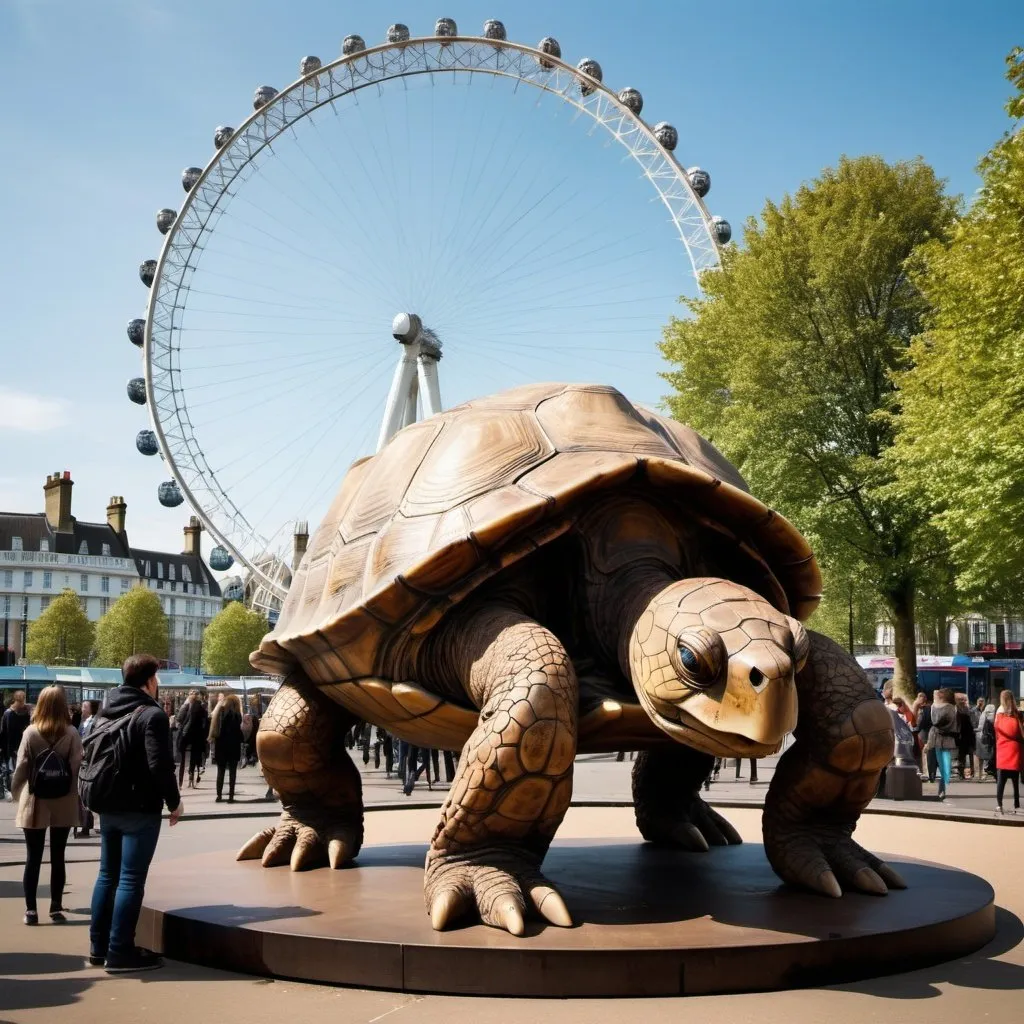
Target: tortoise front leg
{"points": [[514, 778], [822, 783], [301, 746]]}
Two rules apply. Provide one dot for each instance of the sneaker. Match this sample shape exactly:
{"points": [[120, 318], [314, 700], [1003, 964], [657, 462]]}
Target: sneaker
{"points": [[31, 917], [139, 960], [57, 917], [96, 959]]}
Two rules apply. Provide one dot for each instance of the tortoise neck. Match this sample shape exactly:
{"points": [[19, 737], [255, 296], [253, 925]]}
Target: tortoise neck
{"points": [[631, 552]]}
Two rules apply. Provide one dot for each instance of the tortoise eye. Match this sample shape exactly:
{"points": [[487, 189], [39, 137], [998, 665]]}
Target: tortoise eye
{"points": [[701, 656]]}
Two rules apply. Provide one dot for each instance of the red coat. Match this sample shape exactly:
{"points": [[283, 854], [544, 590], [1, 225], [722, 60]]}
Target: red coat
{"points": [[1008, 742]]}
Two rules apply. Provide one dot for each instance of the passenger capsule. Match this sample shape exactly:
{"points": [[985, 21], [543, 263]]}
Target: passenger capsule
{"points": [[263, 95], [137, 332], [189, 177], [494, 30], [147, 271], [723, 229], [588, 66], [632, 100], [445, 28], [353, 44], [220, 559], [222, 135], [145, 441], [700, 181], [169, 495], [398, 34], [137, 390], [549, 46], [666, 135], [310, 64], [165, 220]]}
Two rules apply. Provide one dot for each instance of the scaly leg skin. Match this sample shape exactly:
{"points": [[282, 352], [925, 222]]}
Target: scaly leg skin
{"points": [[822, 783], [301, 746], [667, 802], [514, 778]]}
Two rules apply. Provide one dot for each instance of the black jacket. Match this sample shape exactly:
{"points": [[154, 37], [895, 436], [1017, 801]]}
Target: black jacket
{"points": [[150, 781], [12, 727], [227, 747], [193, 724]]}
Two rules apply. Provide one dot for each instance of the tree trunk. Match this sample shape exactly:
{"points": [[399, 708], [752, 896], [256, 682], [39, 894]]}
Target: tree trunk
{"points": [[942, 635], [904, 676]]}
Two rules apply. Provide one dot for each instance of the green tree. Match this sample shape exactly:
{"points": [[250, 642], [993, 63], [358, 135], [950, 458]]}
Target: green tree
{"points": [[135, 624], [63, 634], [850, 610], [232, 635], [787, 364], [961, 434]]}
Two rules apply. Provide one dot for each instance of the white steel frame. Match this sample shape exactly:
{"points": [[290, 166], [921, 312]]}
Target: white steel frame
{"points": [[185, 241]]}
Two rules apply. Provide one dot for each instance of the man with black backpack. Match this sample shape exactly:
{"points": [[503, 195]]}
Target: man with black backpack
{"points": [[127, 777]]}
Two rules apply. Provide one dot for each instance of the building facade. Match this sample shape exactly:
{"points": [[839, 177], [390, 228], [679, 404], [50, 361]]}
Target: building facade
{"points": [[44, 553]]}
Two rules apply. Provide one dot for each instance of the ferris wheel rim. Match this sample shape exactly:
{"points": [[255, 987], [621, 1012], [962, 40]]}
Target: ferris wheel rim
{"points": [[670, 180]]}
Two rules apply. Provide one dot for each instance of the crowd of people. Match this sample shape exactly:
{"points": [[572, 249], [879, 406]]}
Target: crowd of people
{"points": [[126, 761]]}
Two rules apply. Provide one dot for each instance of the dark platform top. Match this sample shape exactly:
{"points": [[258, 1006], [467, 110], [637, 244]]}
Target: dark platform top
{"points": [[649, 922]]}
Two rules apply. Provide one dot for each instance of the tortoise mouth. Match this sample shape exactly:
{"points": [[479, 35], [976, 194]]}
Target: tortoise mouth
{"points": [[691, 732]]}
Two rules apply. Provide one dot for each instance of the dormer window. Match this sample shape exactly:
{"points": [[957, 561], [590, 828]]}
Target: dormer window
{"points": [[83, 548], [186, 574], [170, 570], [159, 570], [106, 549], [16, 544], [44, 544]]}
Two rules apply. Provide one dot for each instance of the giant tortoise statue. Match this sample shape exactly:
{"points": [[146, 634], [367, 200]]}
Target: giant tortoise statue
{"points": [[548, 571]]}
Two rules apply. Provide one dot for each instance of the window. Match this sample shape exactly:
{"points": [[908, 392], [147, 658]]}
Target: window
{"points": [[106, 549], [186, 574], [159, 570], [170, 570], [104, 605], [83, 548], [44, 603], [47, 581], [8, 577], [28, 580], [171, 606], [44, 545], [125, 584], [104, 584], [148, 571], [15, 543], [159, 584], [174, 586], [83, 583], [190, 607], [7, 607]]}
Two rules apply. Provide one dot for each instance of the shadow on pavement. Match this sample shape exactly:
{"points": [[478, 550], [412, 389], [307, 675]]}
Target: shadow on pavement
{"points": [[980, 970]]}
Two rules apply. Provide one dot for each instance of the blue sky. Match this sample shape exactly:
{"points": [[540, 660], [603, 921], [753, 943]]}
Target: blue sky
{"points": [[108, 101]]}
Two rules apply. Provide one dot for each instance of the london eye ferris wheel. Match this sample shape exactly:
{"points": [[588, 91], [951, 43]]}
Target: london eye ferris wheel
{"points": [[494, 208]]}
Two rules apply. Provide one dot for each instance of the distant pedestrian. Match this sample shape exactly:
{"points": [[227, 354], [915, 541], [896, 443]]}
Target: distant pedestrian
{"points": [[923, 711], [942, 736], [46, 787], [90, 708], [127, 779], [226, 743], [965, 742], [13, 723], [193, 726], [985, 740], [1009, 737]]}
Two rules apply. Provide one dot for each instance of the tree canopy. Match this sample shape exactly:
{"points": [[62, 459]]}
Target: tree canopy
{"points": [[787, 365], [63, 634], [232, 635], [961, 437], [135, 624]]}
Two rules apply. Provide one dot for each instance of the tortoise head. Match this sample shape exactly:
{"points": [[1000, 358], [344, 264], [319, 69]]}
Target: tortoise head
{"points": [[714, 665]]}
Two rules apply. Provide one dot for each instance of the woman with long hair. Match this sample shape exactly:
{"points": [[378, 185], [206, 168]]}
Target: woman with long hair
{"points": [[942, 736], [1009, 737], [46, 788], [226, 742]]}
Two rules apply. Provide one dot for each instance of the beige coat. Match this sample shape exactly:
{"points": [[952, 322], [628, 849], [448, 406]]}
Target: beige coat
{"points": [[59, 813]]}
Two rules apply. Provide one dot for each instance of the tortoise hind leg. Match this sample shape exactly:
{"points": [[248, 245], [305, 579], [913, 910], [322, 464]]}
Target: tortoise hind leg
{"points": [[667, 802], [514, 778], [302, 750]]}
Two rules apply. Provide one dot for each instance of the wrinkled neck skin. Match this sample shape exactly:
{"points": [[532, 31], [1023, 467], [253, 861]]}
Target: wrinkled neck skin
{"points": [[631, 552]]}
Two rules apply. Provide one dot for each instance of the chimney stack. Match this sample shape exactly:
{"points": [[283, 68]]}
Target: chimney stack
{"points": [[300, 543], [192, 532], [57, 491], [116, 509]]}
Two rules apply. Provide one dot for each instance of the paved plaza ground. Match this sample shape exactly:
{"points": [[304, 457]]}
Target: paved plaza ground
{"points": [[42, 978]]}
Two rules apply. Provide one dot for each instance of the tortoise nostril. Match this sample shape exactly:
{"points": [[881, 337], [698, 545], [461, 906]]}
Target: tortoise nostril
{"points": [[756, 677]]}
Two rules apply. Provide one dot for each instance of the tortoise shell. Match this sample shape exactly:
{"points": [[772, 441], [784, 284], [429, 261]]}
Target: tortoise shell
{"points": [[451, 500]]}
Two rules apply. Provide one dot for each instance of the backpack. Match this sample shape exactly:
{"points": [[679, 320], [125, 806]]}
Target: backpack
{"points": [[988, 731], [50, 776], [104, 759]]}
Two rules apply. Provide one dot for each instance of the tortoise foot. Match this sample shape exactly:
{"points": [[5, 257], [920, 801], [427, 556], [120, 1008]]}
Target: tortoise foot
{"points": [[695, 826], [308, 838], [499, 882]]}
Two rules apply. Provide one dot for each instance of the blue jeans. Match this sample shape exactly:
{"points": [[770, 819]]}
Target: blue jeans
{"points": [[127, 844], [944, 760]]}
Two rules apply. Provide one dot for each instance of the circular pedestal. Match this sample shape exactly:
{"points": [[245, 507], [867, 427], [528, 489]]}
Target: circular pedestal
{"points": [[649, 922]]}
